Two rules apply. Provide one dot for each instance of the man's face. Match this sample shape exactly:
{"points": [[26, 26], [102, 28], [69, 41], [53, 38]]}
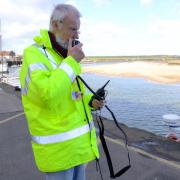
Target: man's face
{"points": [[70, 28]]}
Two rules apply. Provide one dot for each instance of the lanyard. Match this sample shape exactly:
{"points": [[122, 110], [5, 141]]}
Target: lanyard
{"points": [[98, 96]]}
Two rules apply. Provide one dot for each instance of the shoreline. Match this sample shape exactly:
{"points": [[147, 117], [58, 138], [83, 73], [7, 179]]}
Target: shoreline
{"points": [[159, 72]]}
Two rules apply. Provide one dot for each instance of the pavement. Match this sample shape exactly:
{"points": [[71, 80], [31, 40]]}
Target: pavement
{"points": [[152, 157]]}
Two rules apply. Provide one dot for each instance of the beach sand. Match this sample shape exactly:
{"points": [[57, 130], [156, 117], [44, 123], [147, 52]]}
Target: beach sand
{"points": [[160, 72]]}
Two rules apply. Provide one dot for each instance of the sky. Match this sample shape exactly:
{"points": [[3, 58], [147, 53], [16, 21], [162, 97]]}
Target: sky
{"points": [[108, 27]]}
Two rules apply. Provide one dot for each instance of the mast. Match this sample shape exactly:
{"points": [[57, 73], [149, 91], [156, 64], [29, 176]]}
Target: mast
{"points": [[0, 37]]}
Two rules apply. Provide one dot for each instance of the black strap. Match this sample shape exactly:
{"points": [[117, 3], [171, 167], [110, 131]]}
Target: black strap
{"points": [[84, 107], [96, 95], [103, 141], [82, 99], [106, 151]]}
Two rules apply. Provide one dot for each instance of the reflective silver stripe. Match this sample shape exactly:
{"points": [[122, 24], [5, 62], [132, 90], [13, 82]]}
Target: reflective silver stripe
{"points": [[63, 136], [31, 68], [25, 89], [51, 59], [68, 70], [63, 65]]}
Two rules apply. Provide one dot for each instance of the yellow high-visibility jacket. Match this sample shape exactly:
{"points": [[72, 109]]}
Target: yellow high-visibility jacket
{"points": [[61, 135]]}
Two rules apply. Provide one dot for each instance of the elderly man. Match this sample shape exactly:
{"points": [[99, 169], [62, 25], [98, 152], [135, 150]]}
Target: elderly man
{"points": [[55, 103]]}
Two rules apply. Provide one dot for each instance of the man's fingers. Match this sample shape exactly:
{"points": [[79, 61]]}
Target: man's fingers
{"points": [[98, 104], [80, 44], [70, 43]]}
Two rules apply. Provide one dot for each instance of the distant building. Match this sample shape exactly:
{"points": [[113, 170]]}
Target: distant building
{"points": [[4, 55], [18, 57], [8, 56]]}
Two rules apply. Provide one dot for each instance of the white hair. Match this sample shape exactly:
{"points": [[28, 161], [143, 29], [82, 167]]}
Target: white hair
{"points": [[61, 11]]}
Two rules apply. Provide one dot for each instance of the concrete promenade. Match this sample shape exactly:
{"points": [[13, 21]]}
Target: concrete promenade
{"points": [[152, 157]]}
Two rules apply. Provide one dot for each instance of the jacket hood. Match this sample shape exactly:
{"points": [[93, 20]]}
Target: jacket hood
{"points": [[43, 39]]}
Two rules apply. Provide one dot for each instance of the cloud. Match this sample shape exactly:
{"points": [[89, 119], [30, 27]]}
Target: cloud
{"points": [[165, 35], [107, 38], [177, 9], [101, 2], [104, 38], [20, 21], [165, 28], [146, 2], [72, 3]]}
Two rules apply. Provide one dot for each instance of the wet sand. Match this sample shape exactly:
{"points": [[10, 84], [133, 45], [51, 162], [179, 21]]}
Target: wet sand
{"points": [[160, 72]]}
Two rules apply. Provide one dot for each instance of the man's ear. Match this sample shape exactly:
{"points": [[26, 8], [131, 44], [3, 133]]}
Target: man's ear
{"points": [[56, 25]]}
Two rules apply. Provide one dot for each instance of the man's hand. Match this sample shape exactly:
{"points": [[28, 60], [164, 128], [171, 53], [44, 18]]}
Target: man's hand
{"points": [[76, 52], [97, 104]]}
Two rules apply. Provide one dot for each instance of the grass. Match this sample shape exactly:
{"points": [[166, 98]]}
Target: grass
{"points": [[171, 59]]}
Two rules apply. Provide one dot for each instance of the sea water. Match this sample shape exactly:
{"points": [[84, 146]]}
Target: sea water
{"points": [[135, 102]]}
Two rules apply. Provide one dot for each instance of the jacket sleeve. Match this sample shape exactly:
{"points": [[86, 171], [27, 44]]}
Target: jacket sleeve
{"points": [[50, 85]]}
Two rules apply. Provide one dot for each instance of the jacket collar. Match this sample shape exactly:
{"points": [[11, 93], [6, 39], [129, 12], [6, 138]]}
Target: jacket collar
{"points": [[48, 40], [56, 46]]}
